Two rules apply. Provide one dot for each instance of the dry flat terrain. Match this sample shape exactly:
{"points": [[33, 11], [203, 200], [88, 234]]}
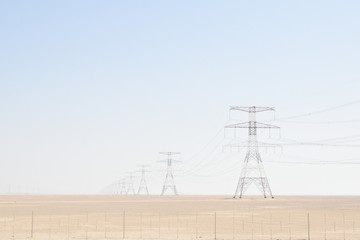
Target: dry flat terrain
{"points": [[181, 217]]}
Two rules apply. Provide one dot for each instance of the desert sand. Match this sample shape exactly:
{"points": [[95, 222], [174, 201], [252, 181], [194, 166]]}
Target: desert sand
{"points": [[178, 217]]}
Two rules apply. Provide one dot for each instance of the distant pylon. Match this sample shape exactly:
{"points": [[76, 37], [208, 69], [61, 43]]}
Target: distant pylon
{"points": [[253, 169], [143, 186], [169, 179], [131, 189], [123, 187], [118, 186]]}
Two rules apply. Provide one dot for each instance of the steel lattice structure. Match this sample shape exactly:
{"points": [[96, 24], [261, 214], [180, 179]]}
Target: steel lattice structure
{"points": [[131, 189], [123, 187], [169, 182], [143, 186], [252, 171]]}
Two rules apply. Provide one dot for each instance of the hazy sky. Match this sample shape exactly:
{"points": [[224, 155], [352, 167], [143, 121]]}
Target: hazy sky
{"points": [[90, 89]]}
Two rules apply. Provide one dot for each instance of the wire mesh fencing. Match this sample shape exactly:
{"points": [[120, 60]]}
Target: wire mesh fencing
{"points": [[202, 225]]}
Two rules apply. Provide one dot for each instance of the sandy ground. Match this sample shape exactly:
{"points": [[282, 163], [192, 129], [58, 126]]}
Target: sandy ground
{"points": [[181, 217]]}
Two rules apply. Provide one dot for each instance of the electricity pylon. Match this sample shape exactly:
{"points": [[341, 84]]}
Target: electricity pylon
{"points": [[110, 189], [169, 179], [253, 169], [118, 185], [143, 185], [123, 187], [131, 189]]}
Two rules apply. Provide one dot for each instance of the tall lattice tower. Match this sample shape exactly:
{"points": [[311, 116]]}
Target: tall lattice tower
{"points": [[131, 189], [123, 187], [118, 185], [169, 179], [143, 186], [253, 170]]}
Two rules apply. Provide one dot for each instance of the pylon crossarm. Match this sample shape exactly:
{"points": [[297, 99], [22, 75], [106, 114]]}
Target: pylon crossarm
{"points": [[238, 125], [265, 125], [169, 153], [251, 108], [260, 145], [249, 125], [172, 160]]}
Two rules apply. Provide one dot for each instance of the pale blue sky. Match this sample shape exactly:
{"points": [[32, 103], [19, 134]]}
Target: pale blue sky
{"points": [[90, 89]]}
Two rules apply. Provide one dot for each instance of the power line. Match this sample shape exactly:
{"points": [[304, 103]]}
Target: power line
{"points": [[204, 160], [319, 144], [321, 122], [305, 160], [221, 171], [131, 189], [317, 163], [123, 187], [320, 111]]}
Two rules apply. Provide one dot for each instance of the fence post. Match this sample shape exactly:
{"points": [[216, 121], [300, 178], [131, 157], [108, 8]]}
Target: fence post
{"points": [[105, 229], [159, 225], [49, 226], [68, 227], [335, 230], [344, 226], [353, 226], [215, 225], [308, 218], [177, 226], [289, 233], [233, 225], [271, 230], [32, 224], [141, 217], [123, 224], [325, 234], [196, 225]]}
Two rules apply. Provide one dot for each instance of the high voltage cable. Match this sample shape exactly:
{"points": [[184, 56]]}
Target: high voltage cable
{"points": [[347, 141], [316, 163], [222, 172], [320, 122], [220, 166], [305, 160], [320, 111], [208, 143], [292, 142], [216, 159], [320, 144], [339, 138], [203, 160]]}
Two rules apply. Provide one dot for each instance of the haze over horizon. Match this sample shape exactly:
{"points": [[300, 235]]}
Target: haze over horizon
{"points": [[90, 90]]}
